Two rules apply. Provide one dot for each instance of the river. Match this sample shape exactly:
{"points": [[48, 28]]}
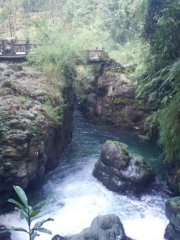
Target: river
{"points": [[77, 197]]}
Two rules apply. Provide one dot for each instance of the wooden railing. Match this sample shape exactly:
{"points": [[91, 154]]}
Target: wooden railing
{"points": [[97, 55], [15, 48]]}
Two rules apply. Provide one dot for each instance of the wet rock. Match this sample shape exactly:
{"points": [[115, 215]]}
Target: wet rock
{"points": [[4, 195], [5, 234], [113, 101], [2, 79], [171, 233], [15, 67], [108, 227], [6, 83], [172, 210], [121, 172], [19, 74], [11, 152], [31, 104], [173, 174], [3, 66], [7, 73], [58, 237], [40, 95]]}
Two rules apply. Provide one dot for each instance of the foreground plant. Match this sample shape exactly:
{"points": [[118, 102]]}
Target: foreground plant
{"points": [[29, 213]]}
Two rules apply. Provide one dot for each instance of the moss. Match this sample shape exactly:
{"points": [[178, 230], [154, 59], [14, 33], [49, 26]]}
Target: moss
{"points": [[23, 99], [175, 199], [96, 165], [55, 114], [6, 84], [4, 126], [8, 163], [37, 131], [120, 146]]}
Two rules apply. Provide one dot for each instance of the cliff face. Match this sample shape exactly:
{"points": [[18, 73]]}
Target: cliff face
{"points": [[36, 125], [173, 174], [111, 99]]}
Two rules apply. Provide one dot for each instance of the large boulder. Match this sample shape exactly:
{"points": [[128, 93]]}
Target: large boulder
{"points": [[108, 227], [172, 209], [58, 237], [121, 172]]}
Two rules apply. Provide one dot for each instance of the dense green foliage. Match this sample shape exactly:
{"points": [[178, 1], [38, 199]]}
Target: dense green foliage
{"points": [[161, 84], [28, 213]]}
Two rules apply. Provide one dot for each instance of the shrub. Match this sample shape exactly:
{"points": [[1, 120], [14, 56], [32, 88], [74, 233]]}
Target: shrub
{"points": [[28, 213]]}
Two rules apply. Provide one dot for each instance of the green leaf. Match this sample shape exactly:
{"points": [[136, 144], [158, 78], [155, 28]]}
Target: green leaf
{"points": [[25, 214], [16, 203], [39, 224], [34, 213], [13, 229], [44, 230], [21, 194], [34, 235], [41, 203]]}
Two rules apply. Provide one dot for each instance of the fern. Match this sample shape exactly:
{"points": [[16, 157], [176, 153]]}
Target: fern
{"points": [[169, 121]]}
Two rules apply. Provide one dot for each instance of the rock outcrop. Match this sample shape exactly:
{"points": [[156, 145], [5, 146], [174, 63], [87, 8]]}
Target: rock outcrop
{"points": [[110, 98], [172, 209], [58, 237], [108, 227], [173, 173], [35, 125], [121, 172]]}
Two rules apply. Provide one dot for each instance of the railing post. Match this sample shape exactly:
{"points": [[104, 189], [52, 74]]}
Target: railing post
{"points": [[12, 47], [27, 45], [3, 47], [88, 55]]}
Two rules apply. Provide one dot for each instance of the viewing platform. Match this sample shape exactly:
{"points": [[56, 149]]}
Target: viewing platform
{"points": [[14, 49]]}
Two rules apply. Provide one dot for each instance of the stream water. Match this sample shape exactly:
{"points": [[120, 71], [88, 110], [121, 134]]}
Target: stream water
{"points": [[77, 197]]}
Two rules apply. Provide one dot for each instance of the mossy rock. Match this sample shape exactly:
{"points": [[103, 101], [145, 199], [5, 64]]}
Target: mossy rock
{"points": [[121, 172]]}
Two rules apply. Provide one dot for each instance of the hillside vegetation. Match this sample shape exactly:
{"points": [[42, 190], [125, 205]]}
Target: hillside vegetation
{"points": [[145, 33]]}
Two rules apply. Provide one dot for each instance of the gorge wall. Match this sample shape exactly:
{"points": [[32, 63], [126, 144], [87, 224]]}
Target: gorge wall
{"points": [[36, 125], [110, 98]]}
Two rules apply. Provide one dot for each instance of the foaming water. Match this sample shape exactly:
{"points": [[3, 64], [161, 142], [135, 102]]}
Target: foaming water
{"points": [[78, 197]]}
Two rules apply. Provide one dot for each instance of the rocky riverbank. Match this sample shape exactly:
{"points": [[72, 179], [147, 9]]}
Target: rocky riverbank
{"points": [[36, 125]]}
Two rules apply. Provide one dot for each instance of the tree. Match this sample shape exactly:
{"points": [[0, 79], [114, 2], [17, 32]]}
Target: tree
{"points": [[10, 10], [123, 19]]}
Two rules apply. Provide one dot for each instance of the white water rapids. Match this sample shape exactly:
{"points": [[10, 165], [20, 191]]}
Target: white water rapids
{"points": [[78, 197]]}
